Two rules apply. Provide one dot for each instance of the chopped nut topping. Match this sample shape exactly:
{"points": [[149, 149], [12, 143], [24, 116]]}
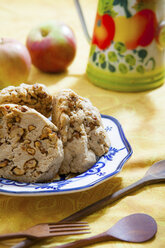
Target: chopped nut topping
{"points": [[92, 125], [9, 124], [37, 173], [32, 163], [74, 98], [42, 94], [33, 96], [16, 131], [4, 163], [52, 136], [42, 150], [31, 127], [18, 119], [37, 144], [33, 101], [7, 107], [18, 172], [45, 132], [23, 109], [31, 151], [27, 141], [76, 135]]}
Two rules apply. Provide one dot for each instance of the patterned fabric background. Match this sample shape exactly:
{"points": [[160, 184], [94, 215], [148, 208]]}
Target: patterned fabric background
{"points": [[142, 116]]}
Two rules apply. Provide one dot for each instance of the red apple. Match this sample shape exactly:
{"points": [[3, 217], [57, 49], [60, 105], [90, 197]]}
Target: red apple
{"points": [[15, 62], [52, 46]]}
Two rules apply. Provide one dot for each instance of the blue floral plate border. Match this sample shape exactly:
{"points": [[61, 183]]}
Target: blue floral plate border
{"points": [[107, 166]]}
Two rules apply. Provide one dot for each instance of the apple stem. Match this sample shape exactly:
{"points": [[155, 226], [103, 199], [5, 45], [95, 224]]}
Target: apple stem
{"points": [[44, 33]]}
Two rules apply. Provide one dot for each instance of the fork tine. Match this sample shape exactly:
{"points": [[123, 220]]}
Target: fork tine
{"points": [[67, 225], [67, 229], [70, 233]]}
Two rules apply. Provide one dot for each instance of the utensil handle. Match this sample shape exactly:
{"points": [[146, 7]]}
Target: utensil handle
{"points": [[26, 243], [88, 241], [92, 208], [105, 201], [12, 236]]}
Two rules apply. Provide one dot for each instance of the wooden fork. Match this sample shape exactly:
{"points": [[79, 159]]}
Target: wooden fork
{"points": [[46, 230]]}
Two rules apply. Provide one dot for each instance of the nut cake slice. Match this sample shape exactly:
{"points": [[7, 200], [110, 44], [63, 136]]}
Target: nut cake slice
{"points": [[34, 96], [82, 132], [30, 147]]}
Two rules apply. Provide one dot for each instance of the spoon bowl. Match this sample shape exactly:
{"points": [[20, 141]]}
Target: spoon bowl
{"points": [[134, 228], [156, 171]]}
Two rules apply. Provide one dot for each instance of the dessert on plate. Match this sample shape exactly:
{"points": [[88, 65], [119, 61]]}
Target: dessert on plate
{"points": [[34, 96], [83, 135], [30, 147], [35, 149]]}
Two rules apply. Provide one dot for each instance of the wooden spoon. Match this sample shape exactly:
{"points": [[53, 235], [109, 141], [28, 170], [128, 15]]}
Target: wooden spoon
{"points": [[134, 228], [155, 174]]}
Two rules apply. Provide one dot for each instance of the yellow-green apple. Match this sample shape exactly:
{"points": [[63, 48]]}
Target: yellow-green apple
{"points": [[52, 46], [15, 62]]}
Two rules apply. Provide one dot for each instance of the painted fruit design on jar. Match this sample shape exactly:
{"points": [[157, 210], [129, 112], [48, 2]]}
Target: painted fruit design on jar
{"points": [[122, 41]]}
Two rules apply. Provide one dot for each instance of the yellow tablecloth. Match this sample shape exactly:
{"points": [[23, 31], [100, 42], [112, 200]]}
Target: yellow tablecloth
{"points": [[142, 116]]}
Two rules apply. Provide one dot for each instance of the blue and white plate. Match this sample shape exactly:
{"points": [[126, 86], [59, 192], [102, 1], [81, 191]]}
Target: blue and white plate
{"points": [[107, 166]]}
